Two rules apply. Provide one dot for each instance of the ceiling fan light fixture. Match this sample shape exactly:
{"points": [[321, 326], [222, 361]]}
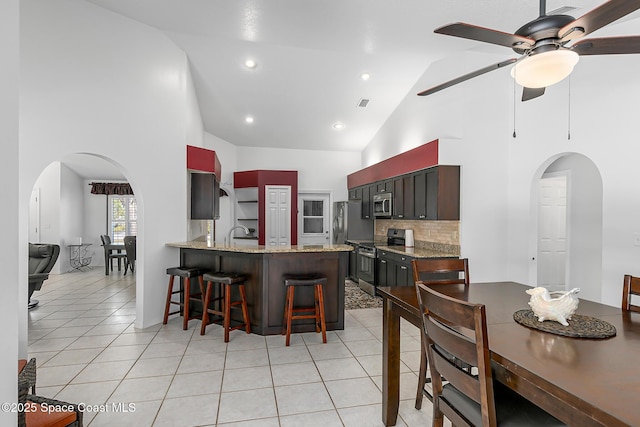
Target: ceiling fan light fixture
{"points": [[545, 69]]}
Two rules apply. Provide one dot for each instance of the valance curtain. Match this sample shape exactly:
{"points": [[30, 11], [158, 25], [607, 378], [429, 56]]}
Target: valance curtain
{"points": [[107, 188]]}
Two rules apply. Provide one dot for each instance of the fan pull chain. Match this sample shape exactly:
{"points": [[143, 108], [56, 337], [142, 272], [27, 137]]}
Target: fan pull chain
{"points": [[514, 108], [569, 113]]}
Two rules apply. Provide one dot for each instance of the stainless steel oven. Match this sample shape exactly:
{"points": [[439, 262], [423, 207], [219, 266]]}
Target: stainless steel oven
{"points": [[367, 269]]}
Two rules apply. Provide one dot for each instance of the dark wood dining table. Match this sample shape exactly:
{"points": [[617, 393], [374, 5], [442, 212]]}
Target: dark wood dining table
{"points": [[581, 381]]}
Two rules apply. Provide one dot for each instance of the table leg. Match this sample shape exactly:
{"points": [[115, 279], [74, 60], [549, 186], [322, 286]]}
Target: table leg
{"points": [[106, 262], [390, 364]]}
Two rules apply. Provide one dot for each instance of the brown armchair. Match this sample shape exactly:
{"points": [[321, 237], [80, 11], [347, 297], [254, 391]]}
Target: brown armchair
{"points": [[42, 258], [42, 411]]}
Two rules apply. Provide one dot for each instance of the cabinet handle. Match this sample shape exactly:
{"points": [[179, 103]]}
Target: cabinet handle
{"points": [[400, 216], [403, 267], [421, 216], [383, 261]]}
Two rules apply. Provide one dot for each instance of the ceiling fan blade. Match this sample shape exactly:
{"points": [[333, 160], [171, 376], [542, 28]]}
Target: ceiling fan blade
{"points": [[602, 15], [467, 77], [608, 46], [487, 35], [529, 93]]}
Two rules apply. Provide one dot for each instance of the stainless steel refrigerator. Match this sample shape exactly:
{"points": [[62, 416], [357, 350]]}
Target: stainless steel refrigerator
{"points": [[348, 224], [349, 227]]}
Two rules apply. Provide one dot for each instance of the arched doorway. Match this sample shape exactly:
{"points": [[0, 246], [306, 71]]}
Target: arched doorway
{"points": [[68, 214], [567, 193]]}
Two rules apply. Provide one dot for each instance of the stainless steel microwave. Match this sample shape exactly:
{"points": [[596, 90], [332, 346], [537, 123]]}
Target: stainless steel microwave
{"points": [[382, 205]]}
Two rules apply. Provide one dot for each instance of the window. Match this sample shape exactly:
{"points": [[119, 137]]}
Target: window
{"points": [[123, 216], [312, 216]]}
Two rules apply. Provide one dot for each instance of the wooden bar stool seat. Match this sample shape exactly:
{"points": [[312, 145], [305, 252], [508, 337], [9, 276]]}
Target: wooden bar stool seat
{"points": [[291, 281], [187, 274], [225, 281]]}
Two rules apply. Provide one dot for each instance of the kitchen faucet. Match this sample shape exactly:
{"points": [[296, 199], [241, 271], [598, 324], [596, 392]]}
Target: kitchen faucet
{"points": [[246, 232]]}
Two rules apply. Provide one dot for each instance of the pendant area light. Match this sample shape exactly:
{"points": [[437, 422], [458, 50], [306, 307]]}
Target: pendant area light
{"points": [[544, 69]]}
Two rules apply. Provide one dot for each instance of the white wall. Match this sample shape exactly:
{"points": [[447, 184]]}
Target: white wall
{"points": [[584, 210], [317, 170], [71, 213], [13, 320], [61, 210], [95, 82], [475, 121], [49, 184]]}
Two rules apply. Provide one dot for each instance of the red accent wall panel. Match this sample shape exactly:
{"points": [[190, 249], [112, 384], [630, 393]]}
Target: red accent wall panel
{"points": [[262, 178], [202, 159], [418, 158]]}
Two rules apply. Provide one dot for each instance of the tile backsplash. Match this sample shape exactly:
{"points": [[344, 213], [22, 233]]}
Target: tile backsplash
{"points": [[427, 234]]}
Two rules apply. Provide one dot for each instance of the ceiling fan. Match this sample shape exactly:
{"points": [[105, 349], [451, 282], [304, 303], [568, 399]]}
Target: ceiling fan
{"points": [[543, 45]]}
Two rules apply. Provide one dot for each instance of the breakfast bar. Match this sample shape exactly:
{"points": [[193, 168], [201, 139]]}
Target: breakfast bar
{"points": [[265, 267]]}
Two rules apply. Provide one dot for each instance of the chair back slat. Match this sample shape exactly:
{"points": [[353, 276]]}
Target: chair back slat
{"points": [[456, 333], [441, 270], [631, 287]]}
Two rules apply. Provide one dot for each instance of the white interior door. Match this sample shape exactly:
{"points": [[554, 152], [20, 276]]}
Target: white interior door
{"points": [[34, 216], [278, 215], [313, 219], [552, 233]]}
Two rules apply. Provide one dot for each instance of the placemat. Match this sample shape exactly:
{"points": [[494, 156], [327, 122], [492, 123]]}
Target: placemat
{"points": [[579, 326]]}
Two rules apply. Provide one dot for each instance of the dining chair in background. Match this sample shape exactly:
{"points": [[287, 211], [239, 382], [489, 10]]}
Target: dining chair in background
{"points": [[631, 287], [111, 255], [459, 328], [434, 271], [130, 251]]}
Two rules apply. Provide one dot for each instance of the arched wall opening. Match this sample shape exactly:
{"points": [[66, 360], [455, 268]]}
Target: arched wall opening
{"points": [[583, 260], [67, 210]]}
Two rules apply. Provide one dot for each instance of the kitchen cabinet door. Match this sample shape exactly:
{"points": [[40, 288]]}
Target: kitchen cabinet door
{"points": [[385, 186], [403, 197], [367, 201], [420, 195], [382, 271], [355, 193], [353, 265], [444, 193], [403, 275]]}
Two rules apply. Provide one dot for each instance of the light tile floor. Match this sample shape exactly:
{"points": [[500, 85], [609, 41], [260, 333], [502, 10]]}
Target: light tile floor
{"points": [[88, 351]]}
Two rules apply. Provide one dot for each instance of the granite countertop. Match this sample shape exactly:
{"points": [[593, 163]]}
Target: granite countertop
{"points": [[417, 252], [260, 249]]}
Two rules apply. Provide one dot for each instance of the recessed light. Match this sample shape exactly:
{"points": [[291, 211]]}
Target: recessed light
{"points": [[338, 126], [365, 76], [248, 119], [250, 63]]}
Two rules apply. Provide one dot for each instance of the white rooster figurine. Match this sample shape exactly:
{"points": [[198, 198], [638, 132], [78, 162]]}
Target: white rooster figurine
{"points": [[559, 308]]}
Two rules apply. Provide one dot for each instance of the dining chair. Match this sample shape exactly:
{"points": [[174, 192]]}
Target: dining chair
{"points": [[459, 328], [631, 287], [433, 271], [120, 256], [130, 251]]}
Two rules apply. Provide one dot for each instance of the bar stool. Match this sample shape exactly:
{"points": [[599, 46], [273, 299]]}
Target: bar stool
{"points": [[291, 281], [226, 281], [187, 274]]}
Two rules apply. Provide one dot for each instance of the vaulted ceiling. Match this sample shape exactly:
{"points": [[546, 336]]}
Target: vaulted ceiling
{"points": [[310, 56]]}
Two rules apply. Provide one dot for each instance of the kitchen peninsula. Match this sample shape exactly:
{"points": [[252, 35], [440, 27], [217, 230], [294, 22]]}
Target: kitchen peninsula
{"points": [[265, 267]]}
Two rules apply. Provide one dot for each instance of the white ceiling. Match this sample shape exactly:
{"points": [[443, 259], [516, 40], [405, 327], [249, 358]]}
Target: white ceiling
{"points": [[310, 55]]}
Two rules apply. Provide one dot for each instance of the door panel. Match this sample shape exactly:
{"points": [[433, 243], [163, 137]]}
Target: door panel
{"points": [[313, 214], [552, 233]]}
